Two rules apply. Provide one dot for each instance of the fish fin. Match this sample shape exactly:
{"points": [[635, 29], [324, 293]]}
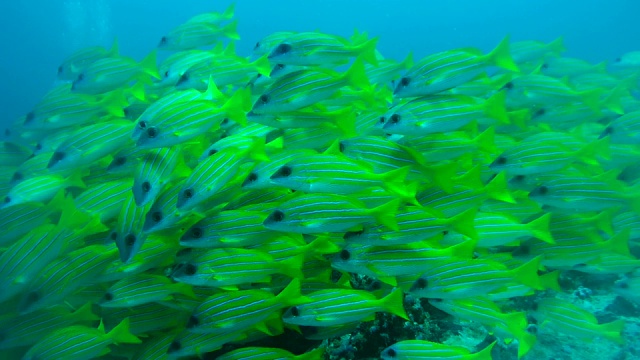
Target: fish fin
{"points": [[236, 106], [212, 92], [540, 228], [485, 140], [525, 343], [484, 354], [115, 48], [121, 334], [114, 103], [262, 327], [386, 214], [619, 243], [495, 107], [520, 118], [231, 30], [550, 280], [612, 330], [229, 12], [292, 266], [356, 75], [557, 46], [367, 51], [323, 245], [591, 98], [346, 122], [394, 303], [394, 181], [262, 65], [464, 250], [291, 294], [501, 56], [527, 273], [497, 189], [612, 100], [150, 65]]}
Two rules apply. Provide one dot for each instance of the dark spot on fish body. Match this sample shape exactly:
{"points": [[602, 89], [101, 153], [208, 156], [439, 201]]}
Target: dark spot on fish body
{"points": [[281, 49], [30, 299], [146, 186], [120, 160], [152, 132], [295, 311], [108, 296], [130, 240], [521, 250], [518, 178], [30, 117], [445, 232], [375, 285], [421, 283], [225, 121], [17, 176], [192, 322], [606, 132], [501, 160], [166, 74], [352, 234], [190, 269], [174, 346], [507, 86], [345, 254], [534, 306], [80, 78], [543, 190], [56, 158]]}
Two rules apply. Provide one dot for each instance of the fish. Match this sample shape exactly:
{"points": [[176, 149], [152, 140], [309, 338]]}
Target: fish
{"points": [[40, 189], [142, 289], [195, 34], [340, 306], [264, 353], [74, 64], [422, 349], [445, 70]]}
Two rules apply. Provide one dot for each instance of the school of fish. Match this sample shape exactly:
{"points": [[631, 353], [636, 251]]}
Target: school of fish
{"points": [[162, 211]]}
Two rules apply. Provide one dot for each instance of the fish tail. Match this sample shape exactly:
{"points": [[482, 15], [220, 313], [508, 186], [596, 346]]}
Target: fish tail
{"points": [[520, 118], [612, 330], [496, 108], [485, 140], [603, 222], [150, 65], [291, 294], [356, 75], [115, 48], [612, 100], [138, 91], [484, 354], [114, 103], [501, 57], [84, 313], [292, 266], [407, 63], [619, 243], [464, 250], [323, 245], [346, 121], [367, 51], [540, 228], [525, 343], [121, 334], [386, 214], [75, 180], [394, 303], [212, 92], [236, 105], [550, 280], [394, 181], [442, 175], [527, 274], [262, 65], [185, 289], [229, 12], [231, 30], [497, 189], [591, 98], [464, 223]]}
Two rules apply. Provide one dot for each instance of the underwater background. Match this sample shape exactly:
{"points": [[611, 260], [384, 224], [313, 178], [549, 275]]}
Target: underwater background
{"points": [[38, 35], [320, 180]]}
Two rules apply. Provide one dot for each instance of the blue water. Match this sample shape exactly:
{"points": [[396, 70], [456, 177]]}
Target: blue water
{"points": [[37, 35]]}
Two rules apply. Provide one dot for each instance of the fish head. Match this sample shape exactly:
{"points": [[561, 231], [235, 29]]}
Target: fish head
{"points": [[276, 220], [500, 163], [148, 137], [282, 51], [194, 235], [420, 285], [540, 192], [128, 244], [263, 101], [152, 219]]}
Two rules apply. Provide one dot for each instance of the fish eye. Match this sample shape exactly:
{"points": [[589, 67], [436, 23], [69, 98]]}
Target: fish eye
{"points": [[212, 152], [252, 177], [543, 190], [163, 40], [166, 74], [391, 353], [188, 193], [421, 283], [295, 311], [283, 49], [544, 66], [190, 269], [278, 67], [60, 69], [142, 124], [197, 232], [501, 160], [277, 216], [129, 240], [7, 200], [156, 216], [30, 117], [405, 81], [445, 232], [264, 99], [539, 112], [284, 171], [152, 132], [345, 254], [193, 322], [395, 118], [519, 178], [119, 161], [508, 86], [57, 156], [108, 296], [225, 121], [174, 346], [146, 186]]}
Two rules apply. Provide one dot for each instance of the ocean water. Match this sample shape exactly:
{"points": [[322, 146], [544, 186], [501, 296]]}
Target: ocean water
{"points": [[38, 35], [572, 268]]}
